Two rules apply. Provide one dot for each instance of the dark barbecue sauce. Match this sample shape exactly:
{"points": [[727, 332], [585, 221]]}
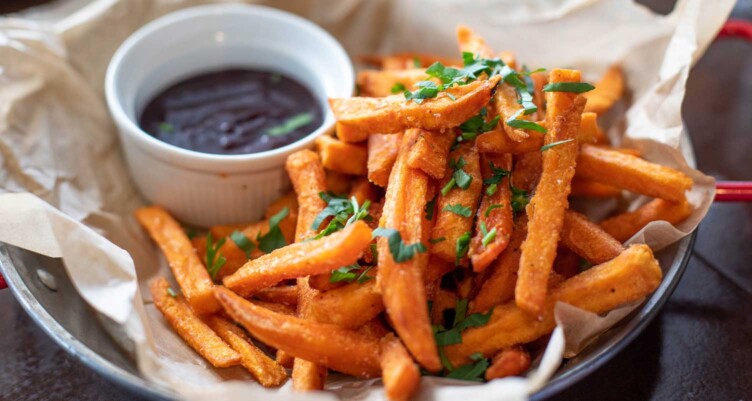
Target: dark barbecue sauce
{"points": [[234, 111]]}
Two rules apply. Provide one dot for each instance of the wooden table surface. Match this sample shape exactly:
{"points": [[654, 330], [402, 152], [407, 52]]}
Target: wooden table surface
{"points": [[698, 348]]}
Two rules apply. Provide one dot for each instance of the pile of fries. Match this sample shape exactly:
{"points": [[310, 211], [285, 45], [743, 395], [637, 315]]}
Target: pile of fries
{"points": [[431, 236]]}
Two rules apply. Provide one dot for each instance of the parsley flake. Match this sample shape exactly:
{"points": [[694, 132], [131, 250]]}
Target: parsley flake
{"points": [[437, 240], [519, 199], [398, 87], [343, 212], [572, 87], [496, 175], [459, 210], [492, 207], [242, 242], [471, 372], [273, 239], [172, 292], [291, 124], [551, 145], [524, 124], [214, 260], [461, 247], [166, 127], [400, 251], [429, 209]]}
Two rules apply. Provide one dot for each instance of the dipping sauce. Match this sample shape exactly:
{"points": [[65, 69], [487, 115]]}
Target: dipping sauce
{"points": [[235, 111]]}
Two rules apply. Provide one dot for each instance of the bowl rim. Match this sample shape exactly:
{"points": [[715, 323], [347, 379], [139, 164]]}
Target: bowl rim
{"points": [[168, 151]]}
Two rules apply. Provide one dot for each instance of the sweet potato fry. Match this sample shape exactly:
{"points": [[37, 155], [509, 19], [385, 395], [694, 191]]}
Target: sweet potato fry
{"points": [[363, 190], [190, 327], [399, 373], [437, 268], [512, 361], [607, 91], [404, 61], [226, 230], [289, 200], [382, 152], [450, 225], [430, 151], [391, 114], [349, 306], [494, 215], [527, 170], [590, 132], [340, 349], [375, 83], [547, 206], [498, 287], [469, 41], [401, 283], [336, 182], [632, 173], [567, 264], [443, 300], [588, 240], [592, 189], [627, 278], [264, 369], [308, 179], [279, 308], [497, 141], [350, 134], [623, 226], [191, 275], [342, 157], [301, 259], [283, 294]]}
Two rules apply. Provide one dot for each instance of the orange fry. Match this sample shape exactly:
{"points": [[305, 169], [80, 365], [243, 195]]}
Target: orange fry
{"points": [[382, 152], [592, 189], [336, 182], [191, 275], [430, 151], [469, 41], [283, 294], [494, 214], [498, 287], [623, 226], [450, 225], [437, 268], [497, 141], [190, 327], [264, 369], [340, 349], [401, 284], [391, 114], [590, 132], [374, 83], [588, 240], [308, 179], [527, 170], [399, 373], [512, 361], [226, 230], [632, 173], [289, 200], [627, 278], [547, 206], [350, 134], [607, 91], [349, 306], [301, 259], [342, 157]]}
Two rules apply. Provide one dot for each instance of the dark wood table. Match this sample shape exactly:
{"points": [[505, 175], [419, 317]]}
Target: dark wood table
{"points": [[698, 348]]}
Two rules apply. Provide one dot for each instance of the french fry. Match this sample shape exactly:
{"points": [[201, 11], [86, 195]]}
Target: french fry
{"points": [[497, 141], [349, 306], [363, 190], [627, 278], [401, 284], [382, 153], [340, 349], [307, 375], [289, 200], [308, 179], [567, 264], [540, 79], [342, 157], [443, 300], [511, 361], [375, 83], [287, 361], [494, 214], [590, 132], [430, 151], [225, 230], [301, 259], [588, 240], [399, 373], [279, 308], [548, 204], [374, 328], [623, 226], [404, 61], [591, 189], [190, 327], [527, 170], [283, 294], [449, 225], [264, 369], [437, 268], [470, 42], [350, 134], [498, 287], [632, 173], [191, 275], [392, 114], [607, 91], [336, 182]]}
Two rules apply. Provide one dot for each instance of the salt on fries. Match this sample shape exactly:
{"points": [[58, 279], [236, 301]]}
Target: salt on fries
{"points": [[432, 231]]}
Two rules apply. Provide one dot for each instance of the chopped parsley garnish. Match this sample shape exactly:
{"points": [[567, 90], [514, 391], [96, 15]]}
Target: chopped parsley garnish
{"points": [[459, 178], [477, 125], [348, 274], [488, 236], [492, 207], [426, 90], [291, 124], [276, 78], [417, 63], [172, 292], [214, 260], [398, 87], [519, 199], [471, 372], [436, 240], [459, 210], [453, 334], [191, 233], [273, 239], [374, 252], [514, 122], [400, 251], [551, 145], [343, 212], [493, 181], [462, 246], [430, 206], [242, 242], [573, 87], [166, 127]]}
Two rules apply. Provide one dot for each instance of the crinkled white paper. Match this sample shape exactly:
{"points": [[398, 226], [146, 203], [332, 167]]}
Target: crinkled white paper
{"points": [[59, 148]]}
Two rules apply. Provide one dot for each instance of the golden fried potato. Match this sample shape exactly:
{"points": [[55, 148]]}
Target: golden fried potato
{"points": [[625, 225]]}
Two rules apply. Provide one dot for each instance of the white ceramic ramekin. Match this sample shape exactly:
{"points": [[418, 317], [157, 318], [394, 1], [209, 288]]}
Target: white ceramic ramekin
{"points": [[207, 189]]}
